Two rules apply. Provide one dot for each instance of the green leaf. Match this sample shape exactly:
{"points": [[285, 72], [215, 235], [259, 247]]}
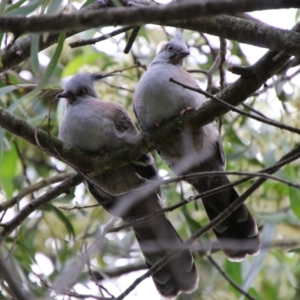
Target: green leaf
{"points": [[294, 195], [7, 89], [257, 262], [53, 62], [2, 5], [61, 217], [94, 58], [2, 297], [25, 9], [234, 270], [34, 50], [1, 37], [194, 225], [86, 3], [8, 168], [12, 6], [53, 7]]}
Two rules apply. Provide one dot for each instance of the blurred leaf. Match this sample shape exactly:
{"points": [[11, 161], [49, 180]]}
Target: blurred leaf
{"points": [[53, 6], [258, 296], [296, 250], [234, 270], [34, 50], [2, 5], [94, 58], [257, 262], [86, 3], [194, 225], [12, 6], [8, 168], [61, 217], [9, 88], [1, 38], [53, 62], [25, 9], [294, 195]]}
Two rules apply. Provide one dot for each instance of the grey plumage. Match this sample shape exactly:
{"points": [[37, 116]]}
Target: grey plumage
{"points": [[96, 126], [196, 150]]}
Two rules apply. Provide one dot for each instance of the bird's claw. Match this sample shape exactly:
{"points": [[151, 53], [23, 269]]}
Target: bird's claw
{"points": [[185, 110]]}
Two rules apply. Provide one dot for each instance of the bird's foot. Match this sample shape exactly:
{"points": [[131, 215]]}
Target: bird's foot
{"points": [[102, 150], [155, 125], [185, 110]]}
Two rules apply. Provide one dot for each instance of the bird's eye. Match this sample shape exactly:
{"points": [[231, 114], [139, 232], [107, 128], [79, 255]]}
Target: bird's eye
{"points": [[169, 48], [82, 92]]}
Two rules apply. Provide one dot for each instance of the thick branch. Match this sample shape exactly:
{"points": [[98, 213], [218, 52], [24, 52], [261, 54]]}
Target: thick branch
{"points": [[162, 14], [20, 50], [234, 28], [246, 31]]}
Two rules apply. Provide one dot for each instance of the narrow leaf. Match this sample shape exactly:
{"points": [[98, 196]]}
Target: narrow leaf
{"points": [[26, 9], [61, 217], [53, 62], [34, 50]]}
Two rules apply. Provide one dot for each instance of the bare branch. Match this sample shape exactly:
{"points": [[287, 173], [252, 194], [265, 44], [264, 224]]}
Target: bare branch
{"points": [[32, 188], [231, 282], [7, 272], [248, 32], [38, 202], [161, 14], [100, 38], [233, 108]]}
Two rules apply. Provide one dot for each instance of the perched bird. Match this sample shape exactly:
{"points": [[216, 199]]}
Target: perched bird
{"points": [[96, 126], [196, 150]]}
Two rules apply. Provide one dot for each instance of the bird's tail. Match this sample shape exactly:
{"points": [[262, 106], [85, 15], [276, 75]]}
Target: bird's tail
{"points": [[238, 234], [156, 237]]}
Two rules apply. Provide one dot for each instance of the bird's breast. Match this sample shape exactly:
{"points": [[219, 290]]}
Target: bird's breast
{"points": [[157, 99]]}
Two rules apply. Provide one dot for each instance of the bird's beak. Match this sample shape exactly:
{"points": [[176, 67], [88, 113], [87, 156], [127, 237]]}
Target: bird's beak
{"points": [[99, 76], [67, 95], [178, 56]]}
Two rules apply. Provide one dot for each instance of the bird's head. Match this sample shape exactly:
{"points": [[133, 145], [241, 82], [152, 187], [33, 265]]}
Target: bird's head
{"points": [[174, 51], [80, 87]]}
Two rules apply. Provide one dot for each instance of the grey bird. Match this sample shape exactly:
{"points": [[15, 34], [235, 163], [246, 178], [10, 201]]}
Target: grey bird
{"points": [[156, 99], [96, 126]]}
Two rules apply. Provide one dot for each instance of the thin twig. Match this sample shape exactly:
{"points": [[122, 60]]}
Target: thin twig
{"points": [[223, 273], [32, 188], [38, 202], [100, 38], [131, 39], [233, 108]]}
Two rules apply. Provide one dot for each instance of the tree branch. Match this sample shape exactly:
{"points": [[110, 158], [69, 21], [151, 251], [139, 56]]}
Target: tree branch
{"points": [[161, 14], [246, 31], [10, 226], [20, 49], [32, 188], [229, 27]]}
